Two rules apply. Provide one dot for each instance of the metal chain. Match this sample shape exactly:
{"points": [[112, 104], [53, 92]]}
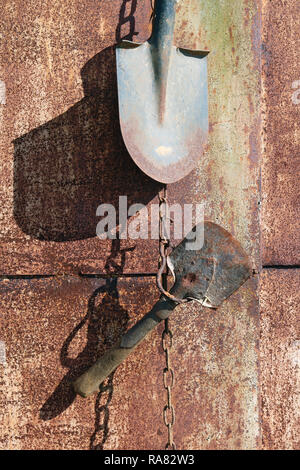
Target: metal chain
{"points": [[100, 433], [167, 336], [164, 248], [168, 375]]}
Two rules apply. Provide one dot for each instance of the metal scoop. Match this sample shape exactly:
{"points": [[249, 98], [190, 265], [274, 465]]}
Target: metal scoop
{"points": [[208, 275]]}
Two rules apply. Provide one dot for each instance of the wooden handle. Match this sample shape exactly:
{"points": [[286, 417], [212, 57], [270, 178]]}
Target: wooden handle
{"points": [[90, 381]]}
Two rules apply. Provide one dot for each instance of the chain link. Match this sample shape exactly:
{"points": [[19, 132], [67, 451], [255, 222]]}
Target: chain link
{"points": [[100, 433], [164, 247], [167, 336], [168, 377]]}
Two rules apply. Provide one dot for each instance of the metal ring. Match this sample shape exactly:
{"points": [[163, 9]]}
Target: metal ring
{"points": [[160, 284]]}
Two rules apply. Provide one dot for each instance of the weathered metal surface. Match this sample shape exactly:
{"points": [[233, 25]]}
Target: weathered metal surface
{"points": [[62, 155], [279, 353], [215, 391], [281, 161], [209, 274], [62, 150], [51, 329], [163, 100]]}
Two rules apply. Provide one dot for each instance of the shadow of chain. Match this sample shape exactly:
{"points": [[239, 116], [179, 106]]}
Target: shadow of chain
{"points": [[105, 394]]}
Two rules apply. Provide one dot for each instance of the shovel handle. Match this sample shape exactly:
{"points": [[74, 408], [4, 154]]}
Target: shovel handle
{"points": [[90, 381], [164, 23]]}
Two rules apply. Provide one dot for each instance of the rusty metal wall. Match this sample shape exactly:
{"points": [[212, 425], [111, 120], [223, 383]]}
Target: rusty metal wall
{"points": [[51, 330], [279, 294], [61, 156], [281, 139], [61, 145], [279, 288], [69, 317]]}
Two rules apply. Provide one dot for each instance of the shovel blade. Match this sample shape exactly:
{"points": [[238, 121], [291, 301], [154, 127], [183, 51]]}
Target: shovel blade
{"points": [[213, 272], [165, 149]]}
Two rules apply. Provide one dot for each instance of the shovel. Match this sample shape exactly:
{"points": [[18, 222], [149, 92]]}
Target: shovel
{"points": [[163, 102], [209, 275]]}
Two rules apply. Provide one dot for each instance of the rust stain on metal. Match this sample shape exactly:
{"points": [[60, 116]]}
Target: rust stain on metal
{"points": [[64, 156], [65, 153], [218, 373], [75, 320], [280, 356], [65, 324], [280, 165]]}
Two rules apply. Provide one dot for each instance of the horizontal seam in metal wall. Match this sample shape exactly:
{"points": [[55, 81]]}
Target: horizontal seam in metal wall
{"points": [[282, 266], [4, 277], [108, 276]]}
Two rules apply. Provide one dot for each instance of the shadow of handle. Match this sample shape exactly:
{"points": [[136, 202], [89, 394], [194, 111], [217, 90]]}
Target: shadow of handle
{"points": [[90, 381]]}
